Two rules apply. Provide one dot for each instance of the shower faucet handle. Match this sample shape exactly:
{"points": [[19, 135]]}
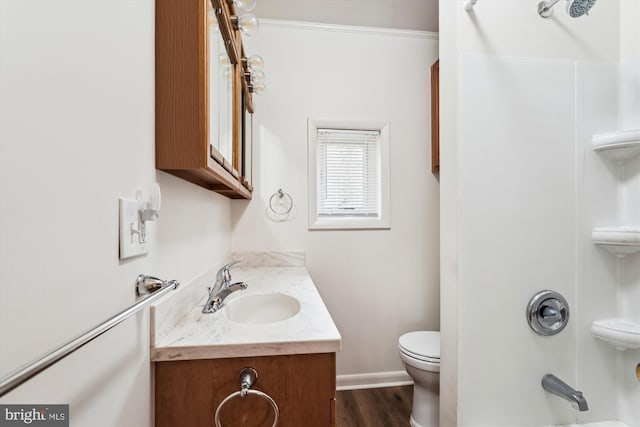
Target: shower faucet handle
{"points": [[549, 313]]}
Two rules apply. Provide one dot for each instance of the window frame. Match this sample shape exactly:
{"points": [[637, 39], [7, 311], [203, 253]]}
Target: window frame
{"points": [[383, 221]]}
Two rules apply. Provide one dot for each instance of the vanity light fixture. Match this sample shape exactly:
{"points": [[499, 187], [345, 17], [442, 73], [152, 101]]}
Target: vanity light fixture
{"points": [[247, 23], [254, 77], [254, 74], [243, 5], [257, 88], [257, 76], [253, 63]]}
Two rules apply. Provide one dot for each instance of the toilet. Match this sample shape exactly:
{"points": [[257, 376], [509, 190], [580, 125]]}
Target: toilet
{"points": [[420, 354]]}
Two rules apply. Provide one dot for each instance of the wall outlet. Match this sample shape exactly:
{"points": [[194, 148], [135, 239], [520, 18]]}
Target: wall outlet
{"points": [[130, 245]]}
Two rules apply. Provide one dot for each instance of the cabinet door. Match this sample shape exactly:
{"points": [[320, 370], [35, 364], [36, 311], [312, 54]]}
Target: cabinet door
{"points": [[187, 393]]}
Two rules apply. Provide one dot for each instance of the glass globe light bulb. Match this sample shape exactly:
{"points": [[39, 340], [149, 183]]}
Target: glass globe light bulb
{"points": [[228, 72], [257, 77], [255, 63], [248, 24], [245, 5]]}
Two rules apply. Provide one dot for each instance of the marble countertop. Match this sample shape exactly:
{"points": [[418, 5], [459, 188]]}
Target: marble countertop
{"points": [[213, 335]]}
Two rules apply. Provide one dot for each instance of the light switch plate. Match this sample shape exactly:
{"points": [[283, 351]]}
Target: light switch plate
{"points": [[130, 245]]}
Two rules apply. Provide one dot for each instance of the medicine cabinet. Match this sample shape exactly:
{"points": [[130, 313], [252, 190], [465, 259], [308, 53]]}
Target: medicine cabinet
{"points": [[202, 96]]}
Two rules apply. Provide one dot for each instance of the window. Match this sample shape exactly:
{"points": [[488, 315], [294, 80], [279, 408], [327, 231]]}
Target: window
{"points": [[348, 175]]}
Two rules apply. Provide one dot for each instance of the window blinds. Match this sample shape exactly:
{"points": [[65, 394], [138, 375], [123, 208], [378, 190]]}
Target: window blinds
{"points": [[348, 173]]}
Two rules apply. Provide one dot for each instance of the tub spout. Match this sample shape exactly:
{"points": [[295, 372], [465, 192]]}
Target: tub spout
{"points": [[555, 385]]}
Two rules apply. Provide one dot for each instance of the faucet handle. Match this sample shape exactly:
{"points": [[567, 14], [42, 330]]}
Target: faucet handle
{"points": [[231, 264], [225, 268], [226, 273]]}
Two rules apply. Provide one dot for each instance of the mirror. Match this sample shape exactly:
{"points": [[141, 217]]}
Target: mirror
{"points": [[225, 99], [221, 87], [215, 38], [247, 144]]}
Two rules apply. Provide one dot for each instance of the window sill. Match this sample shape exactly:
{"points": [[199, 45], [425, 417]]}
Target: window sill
{"points": [[350, 224]]}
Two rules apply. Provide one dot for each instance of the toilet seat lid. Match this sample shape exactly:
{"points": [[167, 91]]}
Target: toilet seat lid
{"points": [[423, 345]]}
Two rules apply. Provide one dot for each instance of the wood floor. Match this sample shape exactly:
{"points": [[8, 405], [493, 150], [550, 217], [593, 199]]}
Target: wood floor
{"points": [[375, 407]]}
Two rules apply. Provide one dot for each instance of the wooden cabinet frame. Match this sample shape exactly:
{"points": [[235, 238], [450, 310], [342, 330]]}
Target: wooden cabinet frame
{"points": [[435, 117], [182, 96]]}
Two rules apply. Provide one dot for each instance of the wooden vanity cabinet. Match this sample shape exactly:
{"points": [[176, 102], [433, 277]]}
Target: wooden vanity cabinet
{"points": [[187, 392], [183, 138]]}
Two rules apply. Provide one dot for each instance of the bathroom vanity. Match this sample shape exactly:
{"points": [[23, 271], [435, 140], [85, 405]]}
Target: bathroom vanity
{"points": [[278, 326]]}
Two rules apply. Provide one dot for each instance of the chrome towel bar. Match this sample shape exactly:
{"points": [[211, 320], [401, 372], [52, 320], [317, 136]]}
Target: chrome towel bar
{"points": [[145, 285], [248, 377]]}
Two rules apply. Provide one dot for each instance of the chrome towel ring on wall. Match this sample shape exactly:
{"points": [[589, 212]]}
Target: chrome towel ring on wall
{"points": [[248, 377], [282, 209]]}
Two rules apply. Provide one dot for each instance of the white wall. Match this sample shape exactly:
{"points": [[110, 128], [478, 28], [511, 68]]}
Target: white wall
{"points": [[449, 215], [407, 14], [520, 191], [376, 284], [76, 133]]}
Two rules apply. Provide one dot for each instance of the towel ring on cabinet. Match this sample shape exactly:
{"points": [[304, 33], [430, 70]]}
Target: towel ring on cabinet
{"points": [[280, 194], [248, 377]]}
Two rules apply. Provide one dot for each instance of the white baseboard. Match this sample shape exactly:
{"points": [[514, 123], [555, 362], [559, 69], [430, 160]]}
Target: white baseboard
{"points": [[373, 380]]}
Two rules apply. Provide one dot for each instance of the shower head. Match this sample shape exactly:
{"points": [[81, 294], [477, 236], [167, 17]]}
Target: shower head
{"points": [[575, 8]]}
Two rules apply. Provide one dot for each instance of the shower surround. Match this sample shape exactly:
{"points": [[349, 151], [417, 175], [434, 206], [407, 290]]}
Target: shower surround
{"points": [[531, 155], [522, 190]]}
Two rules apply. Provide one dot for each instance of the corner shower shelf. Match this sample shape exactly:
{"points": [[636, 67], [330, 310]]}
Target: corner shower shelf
{"points": [[620, 333], [620, 241], [618, 145]]}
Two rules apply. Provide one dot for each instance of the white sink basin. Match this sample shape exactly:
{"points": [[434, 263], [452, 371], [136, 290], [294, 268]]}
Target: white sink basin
{"points": [[262, 308]]}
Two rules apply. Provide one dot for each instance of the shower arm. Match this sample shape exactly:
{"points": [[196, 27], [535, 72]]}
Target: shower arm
{"points": [[544, 8]]}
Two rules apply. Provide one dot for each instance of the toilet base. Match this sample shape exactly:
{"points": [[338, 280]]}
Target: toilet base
{"points": [[425, 409], [420, 354]]}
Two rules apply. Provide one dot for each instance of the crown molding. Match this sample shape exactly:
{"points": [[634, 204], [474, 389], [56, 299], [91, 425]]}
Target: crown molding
{"points": [[391, 32]]}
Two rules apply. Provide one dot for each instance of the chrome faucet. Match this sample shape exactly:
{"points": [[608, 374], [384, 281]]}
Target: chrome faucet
{"points": [[555, 385], [222, 289]]}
